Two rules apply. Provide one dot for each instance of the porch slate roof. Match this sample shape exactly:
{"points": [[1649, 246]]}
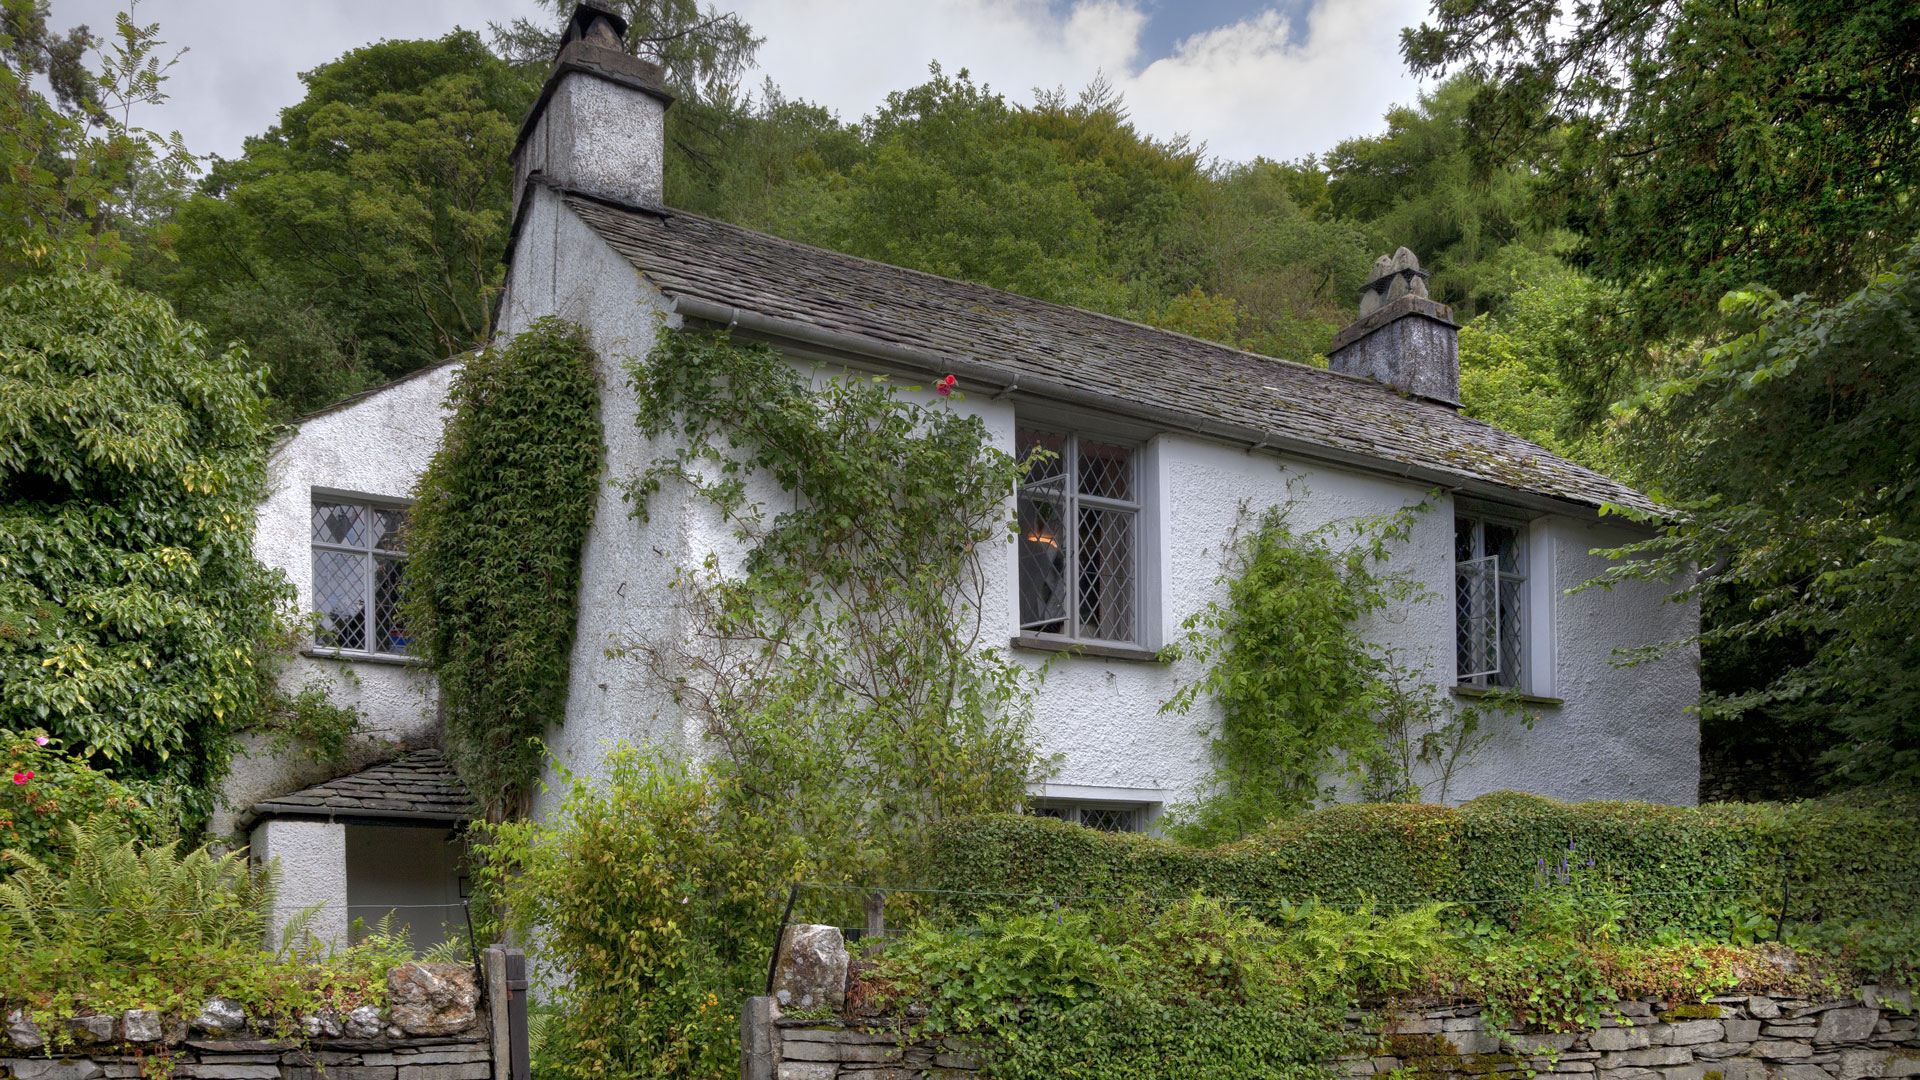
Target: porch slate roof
{"points": [[686, 255], [420, 786]]}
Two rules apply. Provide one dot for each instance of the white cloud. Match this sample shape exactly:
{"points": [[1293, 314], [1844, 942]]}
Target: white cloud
{"points": [[1244, 89]]}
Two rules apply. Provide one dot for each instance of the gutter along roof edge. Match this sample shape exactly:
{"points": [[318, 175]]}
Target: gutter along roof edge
{"points": [[1025, 386]]}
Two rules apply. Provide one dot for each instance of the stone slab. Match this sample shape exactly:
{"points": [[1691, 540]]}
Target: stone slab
{"points": [[44, 1069], [1847, 1025], [470, 1070], [804, 1051]]}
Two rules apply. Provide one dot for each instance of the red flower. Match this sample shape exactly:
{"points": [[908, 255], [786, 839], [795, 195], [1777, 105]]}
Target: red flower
{"points": [[945, 386], [22, 777]]}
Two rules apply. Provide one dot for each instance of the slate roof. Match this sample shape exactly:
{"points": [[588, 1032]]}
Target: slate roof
{"points": [[686, 255], [418, 787]]}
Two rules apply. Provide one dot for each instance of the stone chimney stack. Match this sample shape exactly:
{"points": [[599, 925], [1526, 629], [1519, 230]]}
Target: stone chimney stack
{"points": [[1402, 338], [599, 125]]}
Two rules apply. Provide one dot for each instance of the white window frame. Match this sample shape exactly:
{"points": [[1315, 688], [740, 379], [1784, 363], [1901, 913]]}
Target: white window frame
{"points": [[1144, 546], [370, 580], [1529, 611]]}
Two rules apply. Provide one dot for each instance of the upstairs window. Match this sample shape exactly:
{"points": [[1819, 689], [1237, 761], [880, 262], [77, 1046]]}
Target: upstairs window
{"points": [[1490, 601], [358, 557], [1079, 539]]}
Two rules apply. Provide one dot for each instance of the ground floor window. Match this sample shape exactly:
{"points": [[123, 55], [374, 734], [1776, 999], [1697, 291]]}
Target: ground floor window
{"points": [[1105, 817]]}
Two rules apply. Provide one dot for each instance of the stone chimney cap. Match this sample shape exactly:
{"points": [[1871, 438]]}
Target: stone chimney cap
{"points": [[1393, 277], [595, 44], [592, 20]]}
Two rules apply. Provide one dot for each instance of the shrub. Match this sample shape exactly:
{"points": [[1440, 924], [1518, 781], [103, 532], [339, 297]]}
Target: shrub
{"points": [[654, 898], [1701, 870], [124, 924], [1182, 989], [133, 616], [43, 789]]}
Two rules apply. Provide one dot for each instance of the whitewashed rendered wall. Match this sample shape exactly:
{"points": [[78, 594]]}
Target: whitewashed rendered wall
{"points": [[562, 268], [376, 446], [1621, 733]]}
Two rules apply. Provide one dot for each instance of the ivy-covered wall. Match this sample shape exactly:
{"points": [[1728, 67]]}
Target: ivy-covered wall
{"points": [[1870, 1033]]}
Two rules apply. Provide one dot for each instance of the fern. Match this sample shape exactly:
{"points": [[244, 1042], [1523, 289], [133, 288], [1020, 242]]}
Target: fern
{"points": [[133, 902]]}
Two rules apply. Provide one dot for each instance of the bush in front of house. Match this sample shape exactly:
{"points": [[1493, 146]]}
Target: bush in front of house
{"points": [[1719, 872], [114, 921], [651, 899]]}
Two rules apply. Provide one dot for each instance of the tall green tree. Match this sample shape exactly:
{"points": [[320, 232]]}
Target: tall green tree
{"points": [[132, 612], [1790, 450], [1474, 223], [82, 180], [1703, 145], [361, 237]]}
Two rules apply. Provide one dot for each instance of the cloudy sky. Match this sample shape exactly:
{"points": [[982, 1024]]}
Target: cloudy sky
{"points": [[1247, 77]]}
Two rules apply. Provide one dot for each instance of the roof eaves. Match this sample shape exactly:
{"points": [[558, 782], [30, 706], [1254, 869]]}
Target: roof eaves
{"points": [[1011, 383]]}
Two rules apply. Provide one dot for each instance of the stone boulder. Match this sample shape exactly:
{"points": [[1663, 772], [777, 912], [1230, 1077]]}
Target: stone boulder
{"points": [[432, 999], [23, 1033], [363, 1023], [221, 1017], [812, 970], [141, 1025]]}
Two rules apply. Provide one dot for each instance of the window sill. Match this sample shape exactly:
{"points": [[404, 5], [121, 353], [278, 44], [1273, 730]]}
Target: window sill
{"points": [[1036, 643], [354, 657], [1484, 692]]}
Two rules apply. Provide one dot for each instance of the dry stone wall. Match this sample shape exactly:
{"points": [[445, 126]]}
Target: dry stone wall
{"points": [[433, 1028], [1865, 1036]]}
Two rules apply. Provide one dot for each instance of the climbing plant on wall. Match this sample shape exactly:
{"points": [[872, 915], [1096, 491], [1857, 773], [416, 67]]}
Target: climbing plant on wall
{"points": [[494, 539], [843, 670], [1305, 700]]}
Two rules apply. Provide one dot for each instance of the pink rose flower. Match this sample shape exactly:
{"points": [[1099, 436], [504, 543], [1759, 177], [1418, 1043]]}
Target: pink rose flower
{"points": [[42, 740], [22, 777], [945, 386]]}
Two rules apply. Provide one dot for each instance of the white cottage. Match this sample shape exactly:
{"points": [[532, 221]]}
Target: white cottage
{"points": [[1168, 438]]}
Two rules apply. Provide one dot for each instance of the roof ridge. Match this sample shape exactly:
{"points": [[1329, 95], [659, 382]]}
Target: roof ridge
{"points": [[672, 213]]}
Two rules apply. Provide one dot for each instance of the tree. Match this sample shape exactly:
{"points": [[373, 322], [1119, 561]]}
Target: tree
{"points": [[952, 185], [1517, 364], [1703, 145], [1789, 451], [704, 52], [133, 616], [360, 238], [79, 173]]}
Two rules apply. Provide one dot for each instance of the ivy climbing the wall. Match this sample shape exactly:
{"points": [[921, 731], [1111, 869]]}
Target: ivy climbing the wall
{"points": [[495, 534], [1306, 701], [843, 671]]}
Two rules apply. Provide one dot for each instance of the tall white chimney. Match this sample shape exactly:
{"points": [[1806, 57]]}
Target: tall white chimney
{"points": [[599, 125]]}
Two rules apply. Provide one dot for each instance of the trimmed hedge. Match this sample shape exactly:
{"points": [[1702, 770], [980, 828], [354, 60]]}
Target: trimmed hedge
{"points": [[1680, 866]]}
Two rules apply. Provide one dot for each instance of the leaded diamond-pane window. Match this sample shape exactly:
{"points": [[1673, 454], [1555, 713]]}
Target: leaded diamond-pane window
{"points": [[1490, 602], [1102, 817], [359, 555], [1079, 516]]}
